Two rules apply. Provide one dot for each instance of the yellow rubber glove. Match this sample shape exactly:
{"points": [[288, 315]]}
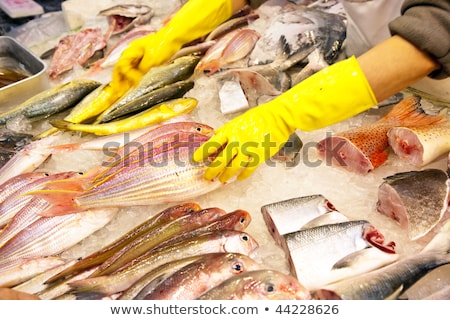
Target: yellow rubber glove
{"points": [[195, 19], [333, 94]]}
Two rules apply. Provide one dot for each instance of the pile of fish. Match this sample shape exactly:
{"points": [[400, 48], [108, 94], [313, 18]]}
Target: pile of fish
{"points": [[417, 200], [336, 258], [181, 252]]}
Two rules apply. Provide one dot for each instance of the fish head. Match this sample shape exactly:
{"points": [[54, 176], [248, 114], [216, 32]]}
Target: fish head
{"points": [[274, 285], [341, 152], [240, 242], [239, 263]]}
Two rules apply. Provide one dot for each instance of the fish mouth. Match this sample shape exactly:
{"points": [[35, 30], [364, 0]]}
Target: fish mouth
{"points": [[341, 152]]}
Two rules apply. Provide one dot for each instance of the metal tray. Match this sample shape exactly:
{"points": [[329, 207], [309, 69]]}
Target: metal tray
{"points": [[21, 90]]}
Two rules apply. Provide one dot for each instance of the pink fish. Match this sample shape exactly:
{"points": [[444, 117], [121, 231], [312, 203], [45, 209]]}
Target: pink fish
{"points": [[232, 47], [76, 49]]}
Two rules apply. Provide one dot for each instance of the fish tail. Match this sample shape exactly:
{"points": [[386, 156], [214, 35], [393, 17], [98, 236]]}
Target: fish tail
{"points": [[408, 112], [61, 124], [88, 287], [62, 202]]}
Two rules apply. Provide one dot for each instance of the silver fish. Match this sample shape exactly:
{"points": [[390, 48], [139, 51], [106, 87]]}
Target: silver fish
{"points": [[417, 200], [390, 281], [291, 215], [334, 242]]}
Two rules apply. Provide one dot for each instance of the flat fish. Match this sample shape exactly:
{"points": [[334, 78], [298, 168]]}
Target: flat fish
{"points": [[417, 200], [421, 145], [363, 149]]}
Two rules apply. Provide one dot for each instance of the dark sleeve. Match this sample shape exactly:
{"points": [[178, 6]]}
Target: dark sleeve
{"points": [[255, 3], [426, 24]]}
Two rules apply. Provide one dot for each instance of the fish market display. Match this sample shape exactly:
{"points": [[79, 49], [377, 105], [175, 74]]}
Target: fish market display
{"points": [[363, 149], [282, 221], [122, 18], [421, 145], [264, 284], [417, 200], [51, 101], [391, 280]]}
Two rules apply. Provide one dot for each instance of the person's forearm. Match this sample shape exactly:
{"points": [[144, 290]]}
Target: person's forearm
{"points": [[238, 5], [393, 65]]}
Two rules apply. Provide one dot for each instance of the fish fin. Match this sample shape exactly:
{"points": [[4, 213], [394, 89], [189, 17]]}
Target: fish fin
{"points": [[61, 124], [394, 295], [408, 112], [89, 286], [62, 202]]}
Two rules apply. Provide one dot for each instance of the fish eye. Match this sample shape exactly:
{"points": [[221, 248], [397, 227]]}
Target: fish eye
{"points": [[245, 237], [237, 267], [270, 288], [243, 220], [199, 129]]}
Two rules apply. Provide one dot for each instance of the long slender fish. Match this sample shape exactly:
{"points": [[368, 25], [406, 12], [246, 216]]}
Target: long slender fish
{"points": [[263, 284], [421, 145], [51, 101], [362, 149], [390, 281], [158, 77], [153, 98], [161, 112], [165, 177], [225, 241], [98, 257], [417, 200], [201, 275], [151, 240]]}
